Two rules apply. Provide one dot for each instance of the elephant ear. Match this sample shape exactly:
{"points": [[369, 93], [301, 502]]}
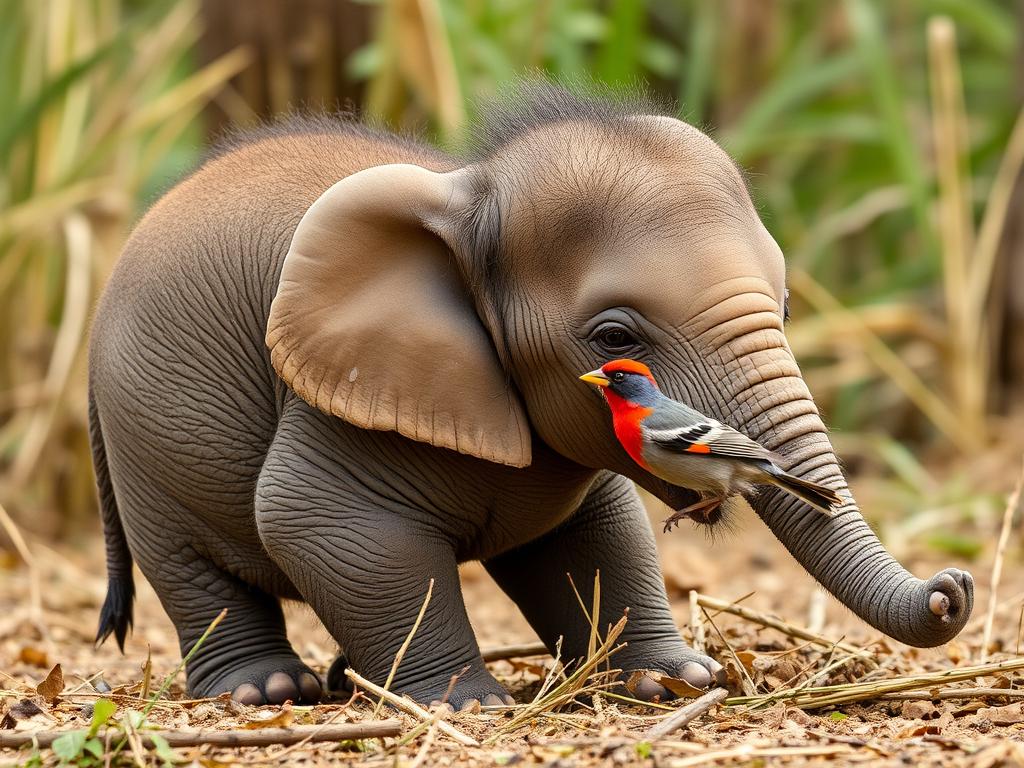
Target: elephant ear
{"points": [[373, 321]]}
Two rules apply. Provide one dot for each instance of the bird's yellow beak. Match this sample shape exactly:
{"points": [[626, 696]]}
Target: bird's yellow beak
{"points": [[596, 377]]}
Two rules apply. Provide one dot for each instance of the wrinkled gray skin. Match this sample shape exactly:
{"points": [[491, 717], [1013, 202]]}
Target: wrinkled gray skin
{"points": [[340, 411]]}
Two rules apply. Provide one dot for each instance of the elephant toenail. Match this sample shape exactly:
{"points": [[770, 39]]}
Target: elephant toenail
{"points": [[695, 674], [310, 688], [509, 701], [646, 690], [470, 705], [247, 693], [492, 700], [280, 688], [717, 671]]}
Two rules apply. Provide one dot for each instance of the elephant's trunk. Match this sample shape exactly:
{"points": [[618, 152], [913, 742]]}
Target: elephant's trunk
{"points": [[773, 406]]}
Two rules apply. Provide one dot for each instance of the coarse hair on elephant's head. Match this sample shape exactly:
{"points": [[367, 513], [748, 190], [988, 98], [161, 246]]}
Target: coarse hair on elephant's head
{"points": [[458, 308]]}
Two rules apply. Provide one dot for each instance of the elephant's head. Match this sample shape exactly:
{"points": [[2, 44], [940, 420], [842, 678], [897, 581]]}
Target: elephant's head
{"points": [[458, 308]]}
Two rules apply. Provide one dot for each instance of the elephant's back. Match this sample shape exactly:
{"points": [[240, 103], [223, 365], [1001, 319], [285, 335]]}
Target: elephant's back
{"points": [[233, 218], [178, 364], [206, 258]]}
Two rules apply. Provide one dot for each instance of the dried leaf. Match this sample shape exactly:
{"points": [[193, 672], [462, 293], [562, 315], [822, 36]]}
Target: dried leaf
{"points": [[679, 687], [920, 730], [52, 686], [31, 655], [534, 668], [282, 719], [747, 658]]}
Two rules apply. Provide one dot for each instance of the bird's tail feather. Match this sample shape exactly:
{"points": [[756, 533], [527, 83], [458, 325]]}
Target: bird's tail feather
{"points": [[818, 496]]}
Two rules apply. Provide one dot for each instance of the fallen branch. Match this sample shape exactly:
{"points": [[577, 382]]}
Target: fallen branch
{"points": [[262, 737], [775, 623], [411, 708], [503, 652], [684, 715]]}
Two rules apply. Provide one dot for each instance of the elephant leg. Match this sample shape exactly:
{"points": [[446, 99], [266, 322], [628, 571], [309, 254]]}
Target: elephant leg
{"points": [[364, 562], [248, 654], [610, 533]]}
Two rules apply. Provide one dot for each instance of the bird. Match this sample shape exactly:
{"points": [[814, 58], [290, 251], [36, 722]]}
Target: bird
{"points": [[688, 449]]}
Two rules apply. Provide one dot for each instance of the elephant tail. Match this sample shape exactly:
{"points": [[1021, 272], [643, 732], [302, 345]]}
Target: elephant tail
{"points": [[116, 614]]}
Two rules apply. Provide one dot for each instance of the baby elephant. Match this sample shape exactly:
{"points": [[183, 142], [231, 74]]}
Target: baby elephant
{"points": [[334, 363]]}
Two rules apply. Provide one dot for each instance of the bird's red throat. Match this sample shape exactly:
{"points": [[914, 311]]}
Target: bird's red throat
{"points": [[626, 418]]}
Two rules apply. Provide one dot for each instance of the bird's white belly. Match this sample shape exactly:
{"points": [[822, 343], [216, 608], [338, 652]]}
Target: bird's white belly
{"points": [[696, 471]]}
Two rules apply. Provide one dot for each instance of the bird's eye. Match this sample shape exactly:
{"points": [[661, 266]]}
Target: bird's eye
{"points": [[618, 376], [612, 338]]}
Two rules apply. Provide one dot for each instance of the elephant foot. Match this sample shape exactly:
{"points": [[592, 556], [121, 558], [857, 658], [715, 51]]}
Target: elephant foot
{"points": [[271, 680], [674, 659], [475, 689]]}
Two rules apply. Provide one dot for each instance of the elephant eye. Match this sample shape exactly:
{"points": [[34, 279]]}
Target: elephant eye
{"points": [[785, 307], [614, 339]]}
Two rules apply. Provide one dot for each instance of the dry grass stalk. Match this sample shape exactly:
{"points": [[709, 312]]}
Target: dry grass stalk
{"points": [[782, 626], [826, 696], [411, 708], [405, 645], [1012, 505], [748, 684], [584, 679], [883, 356], [957, 693], [262, 737], [955, 223], [993, 222], [686, 714], [696, 625], [35, 594]]}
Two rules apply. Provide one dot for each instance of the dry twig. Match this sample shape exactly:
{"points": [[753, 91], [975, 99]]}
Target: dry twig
{"points": [[997, 566], [411, 708], [262, 737], [405, 645], [686, 714], [786, 628]]}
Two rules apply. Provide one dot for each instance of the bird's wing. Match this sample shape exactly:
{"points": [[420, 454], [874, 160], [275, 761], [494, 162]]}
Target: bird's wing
{"points": [[709, 437]]}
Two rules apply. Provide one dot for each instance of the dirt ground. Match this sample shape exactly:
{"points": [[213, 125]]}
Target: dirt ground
{"points": [[981, 732]]}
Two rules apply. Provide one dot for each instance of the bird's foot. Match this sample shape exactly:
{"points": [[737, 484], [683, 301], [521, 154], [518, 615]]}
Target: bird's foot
{"points": [[701, 512]]}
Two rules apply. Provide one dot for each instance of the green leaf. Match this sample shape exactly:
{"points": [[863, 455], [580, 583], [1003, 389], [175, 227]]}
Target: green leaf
{"points": [[163, 749], [837, 716], [94, 747], [643, 749], [102, 711], [69, 745]]}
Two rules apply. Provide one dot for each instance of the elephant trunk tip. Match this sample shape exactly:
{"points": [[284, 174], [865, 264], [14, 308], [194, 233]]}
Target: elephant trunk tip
{"points": [[950, 599]]}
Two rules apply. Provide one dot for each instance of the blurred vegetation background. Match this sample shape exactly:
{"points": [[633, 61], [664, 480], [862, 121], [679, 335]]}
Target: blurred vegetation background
{"points": [[883, 139]]}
